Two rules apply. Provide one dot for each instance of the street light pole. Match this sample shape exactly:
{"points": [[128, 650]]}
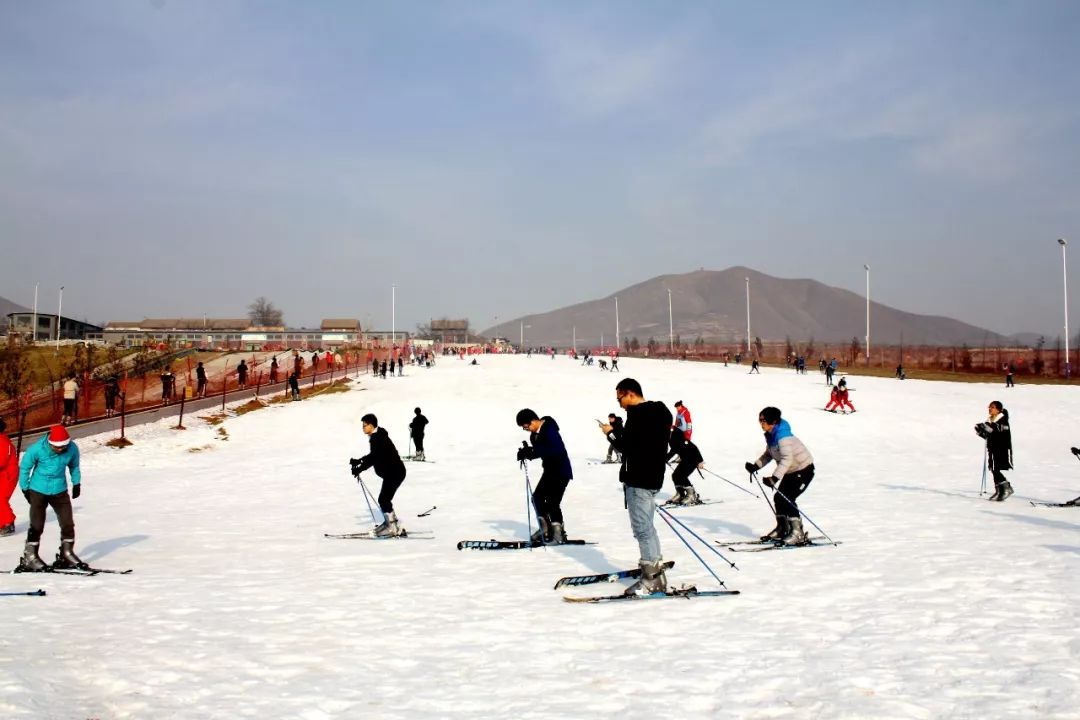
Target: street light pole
{"points": [[393, 317], [747, 315], [35, 312], [867, 268], [617, 336], [59, 307], [670, 324], [1065, 278]]}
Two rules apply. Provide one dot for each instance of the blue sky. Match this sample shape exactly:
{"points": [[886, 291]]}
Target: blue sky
{"points": [[164, 158]]}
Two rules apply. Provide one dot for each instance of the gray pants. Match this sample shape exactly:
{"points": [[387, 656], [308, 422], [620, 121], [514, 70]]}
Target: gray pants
{"points": [[641, 504]]}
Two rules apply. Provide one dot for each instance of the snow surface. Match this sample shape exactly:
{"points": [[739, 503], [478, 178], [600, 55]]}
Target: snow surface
{"points": [[937, 604]]}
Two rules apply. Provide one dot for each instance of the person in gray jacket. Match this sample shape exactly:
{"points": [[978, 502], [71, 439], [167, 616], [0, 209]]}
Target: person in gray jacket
{"points": [[793, 473]]}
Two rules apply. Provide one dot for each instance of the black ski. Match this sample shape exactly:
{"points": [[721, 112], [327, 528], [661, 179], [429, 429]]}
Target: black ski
{"points": [[685, 593], [513, 544], [1046, 504], [733, 543], [416, 535], [31, 593], [680, 506], [575, 580], [86, 571]]}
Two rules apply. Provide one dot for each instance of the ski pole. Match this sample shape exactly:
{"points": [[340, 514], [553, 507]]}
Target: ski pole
{"points": [[688, 547], [754, 478], [716, 475], [529, 504], [982, 487], [31, 593], [667, 513], [364, 487], [805, 516]]}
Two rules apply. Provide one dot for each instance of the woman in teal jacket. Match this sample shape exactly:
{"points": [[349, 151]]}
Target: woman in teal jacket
{"points": [[43, 479]]}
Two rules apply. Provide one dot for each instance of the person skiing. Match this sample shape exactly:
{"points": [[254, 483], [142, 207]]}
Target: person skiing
{"points": [[690, 459], [793, 472], [682, 419], [616, 424], [998, 438], [830, 369], [43, 479], [1010, 373], [384, 458], [416, 431], [547, 444], [9, 478], [644, 447], [755, 367], [1075, 501], [834, 400], [294, 385], [401, 366], [842, 395]]}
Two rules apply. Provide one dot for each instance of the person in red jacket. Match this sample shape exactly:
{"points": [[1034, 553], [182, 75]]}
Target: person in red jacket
{"points": [[9, 478], [842, 395], [682, 420], [834, 399]]}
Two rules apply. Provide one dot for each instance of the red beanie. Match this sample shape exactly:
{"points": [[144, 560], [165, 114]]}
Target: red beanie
{"points": [[58, 436]]}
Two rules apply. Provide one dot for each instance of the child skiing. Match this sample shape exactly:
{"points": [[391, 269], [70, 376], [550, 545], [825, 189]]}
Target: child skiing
{"points": [[616, 432], [43, 479], [682, 419], [793, 473], [690, 459], [416, 431], [547, 444], [998, 438], [388, 466]]}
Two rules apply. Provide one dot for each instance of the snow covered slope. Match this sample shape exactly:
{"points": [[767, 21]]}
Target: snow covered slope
{"points": [[937, 604]]}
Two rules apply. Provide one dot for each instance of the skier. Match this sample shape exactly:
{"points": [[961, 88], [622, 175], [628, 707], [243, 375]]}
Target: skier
{"points": [[644, 446], [842, 395], [617, 430], [998, 438], [614, 363], [400, 366], [44, 482], [690, 459], [682, 419], [793, 473], [1076, 500], [1010, 373], [294, 385], [374, 368], [241, 374], [388, 466], [830, 369], [834, 400], [755, 367], [548, 445], [416, 431], [9, 478], [382, 370]]}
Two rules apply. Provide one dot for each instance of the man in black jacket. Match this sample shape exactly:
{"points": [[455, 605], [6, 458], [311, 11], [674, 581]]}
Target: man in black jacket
{"points": [[690, 459], [388, 466], [616, 429], [416, 431], [644, 448], [548, 445]]}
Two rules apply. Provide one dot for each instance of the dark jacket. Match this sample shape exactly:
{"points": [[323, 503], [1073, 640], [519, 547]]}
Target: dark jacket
{"points": [[547, 444], [416, 427], [998, 442], [687, 451], [616, 430], [383, 457], [644, 445]]}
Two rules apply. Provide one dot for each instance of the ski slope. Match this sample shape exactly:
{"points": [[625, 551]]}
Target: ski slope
{"points": [[937, 604]]}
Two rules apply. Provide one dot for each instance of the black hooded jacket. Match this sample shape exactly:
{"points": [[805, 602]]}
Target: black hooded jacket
{"points": [[383, 457], [644, 445], [548, 445], [687, 451]]}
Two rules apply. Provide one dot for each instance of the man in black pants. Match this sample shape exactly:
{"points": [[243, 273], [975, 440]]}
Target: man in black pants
{"points": [[793, 473], [416, 430], [388, 466], [43, 479], [690, 459], [547, 444], [616, 424]]}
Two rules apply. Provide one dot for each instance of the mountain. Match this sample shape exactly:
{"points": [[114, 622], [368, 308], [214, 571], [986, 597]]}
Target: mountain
{"points": [[712, 305], [6, 306]]}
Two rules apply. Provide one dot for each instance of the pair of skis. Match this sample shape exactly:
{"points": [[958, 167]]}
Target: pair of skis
{"points": [[1050, 504], [766, 545], [29, 593], [514, 544], [686, 592], [86, 572], [369, 535]]}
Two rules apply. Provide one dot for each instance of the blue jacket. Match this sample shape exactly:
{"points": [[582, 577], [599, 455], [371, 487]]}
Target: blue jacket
{"points": [[549, 447], [44, 470]]}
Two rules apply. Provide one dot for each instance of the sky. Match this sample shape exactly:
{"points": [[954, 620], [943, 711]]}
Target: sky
{"points": [[492, 160]]}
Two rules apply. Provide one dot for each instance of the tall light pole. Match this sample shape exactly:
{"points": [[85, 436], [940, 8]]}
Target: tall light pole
{"points": [[617, 336], [59, 306], [747, 315], [670, 324], [393, 317], [575, 339], [867, 268], [1065, 278], [35, 312]]}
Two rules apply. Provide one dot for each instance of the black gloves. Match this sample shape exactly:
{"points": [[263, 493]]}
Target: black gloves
{"points": [[1075, 451], [982, 430], [770, 481], [355, 464], [751, 467], [76, 491], [26, 494], [523, 453]]}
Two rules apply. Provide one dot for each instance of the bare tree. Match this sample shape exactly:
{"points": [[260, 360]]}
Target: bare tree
{"points": [[263, 313], [14, 373]]}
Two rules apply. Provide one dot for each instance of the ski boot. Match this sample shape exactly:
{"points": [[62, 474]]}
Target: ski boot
{"points": [[543, 532], [8, 529], [66, 559], [652, 579], [997, 493], [795, 534], [1004, 491], [777, 534], [690, 496], [1074, 501], [558, 534], [389, 526], [419, 457], [679, 498], [30, 562]]}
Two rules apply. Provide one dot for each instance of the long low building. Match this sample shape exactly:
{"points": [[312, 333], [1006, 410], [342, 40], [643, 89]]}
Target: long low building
{"points": [[233, 333], [22, 324]]}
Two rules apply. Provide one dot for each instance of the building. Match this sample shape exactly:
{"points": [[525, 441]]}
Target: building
{"points": [[450, 331], [229, 333], [22, 324]]}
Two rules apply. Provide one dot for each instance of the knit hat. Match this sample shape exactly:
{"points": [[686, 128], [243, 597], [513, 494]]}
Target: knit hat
{"points": [[58, 436]]}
